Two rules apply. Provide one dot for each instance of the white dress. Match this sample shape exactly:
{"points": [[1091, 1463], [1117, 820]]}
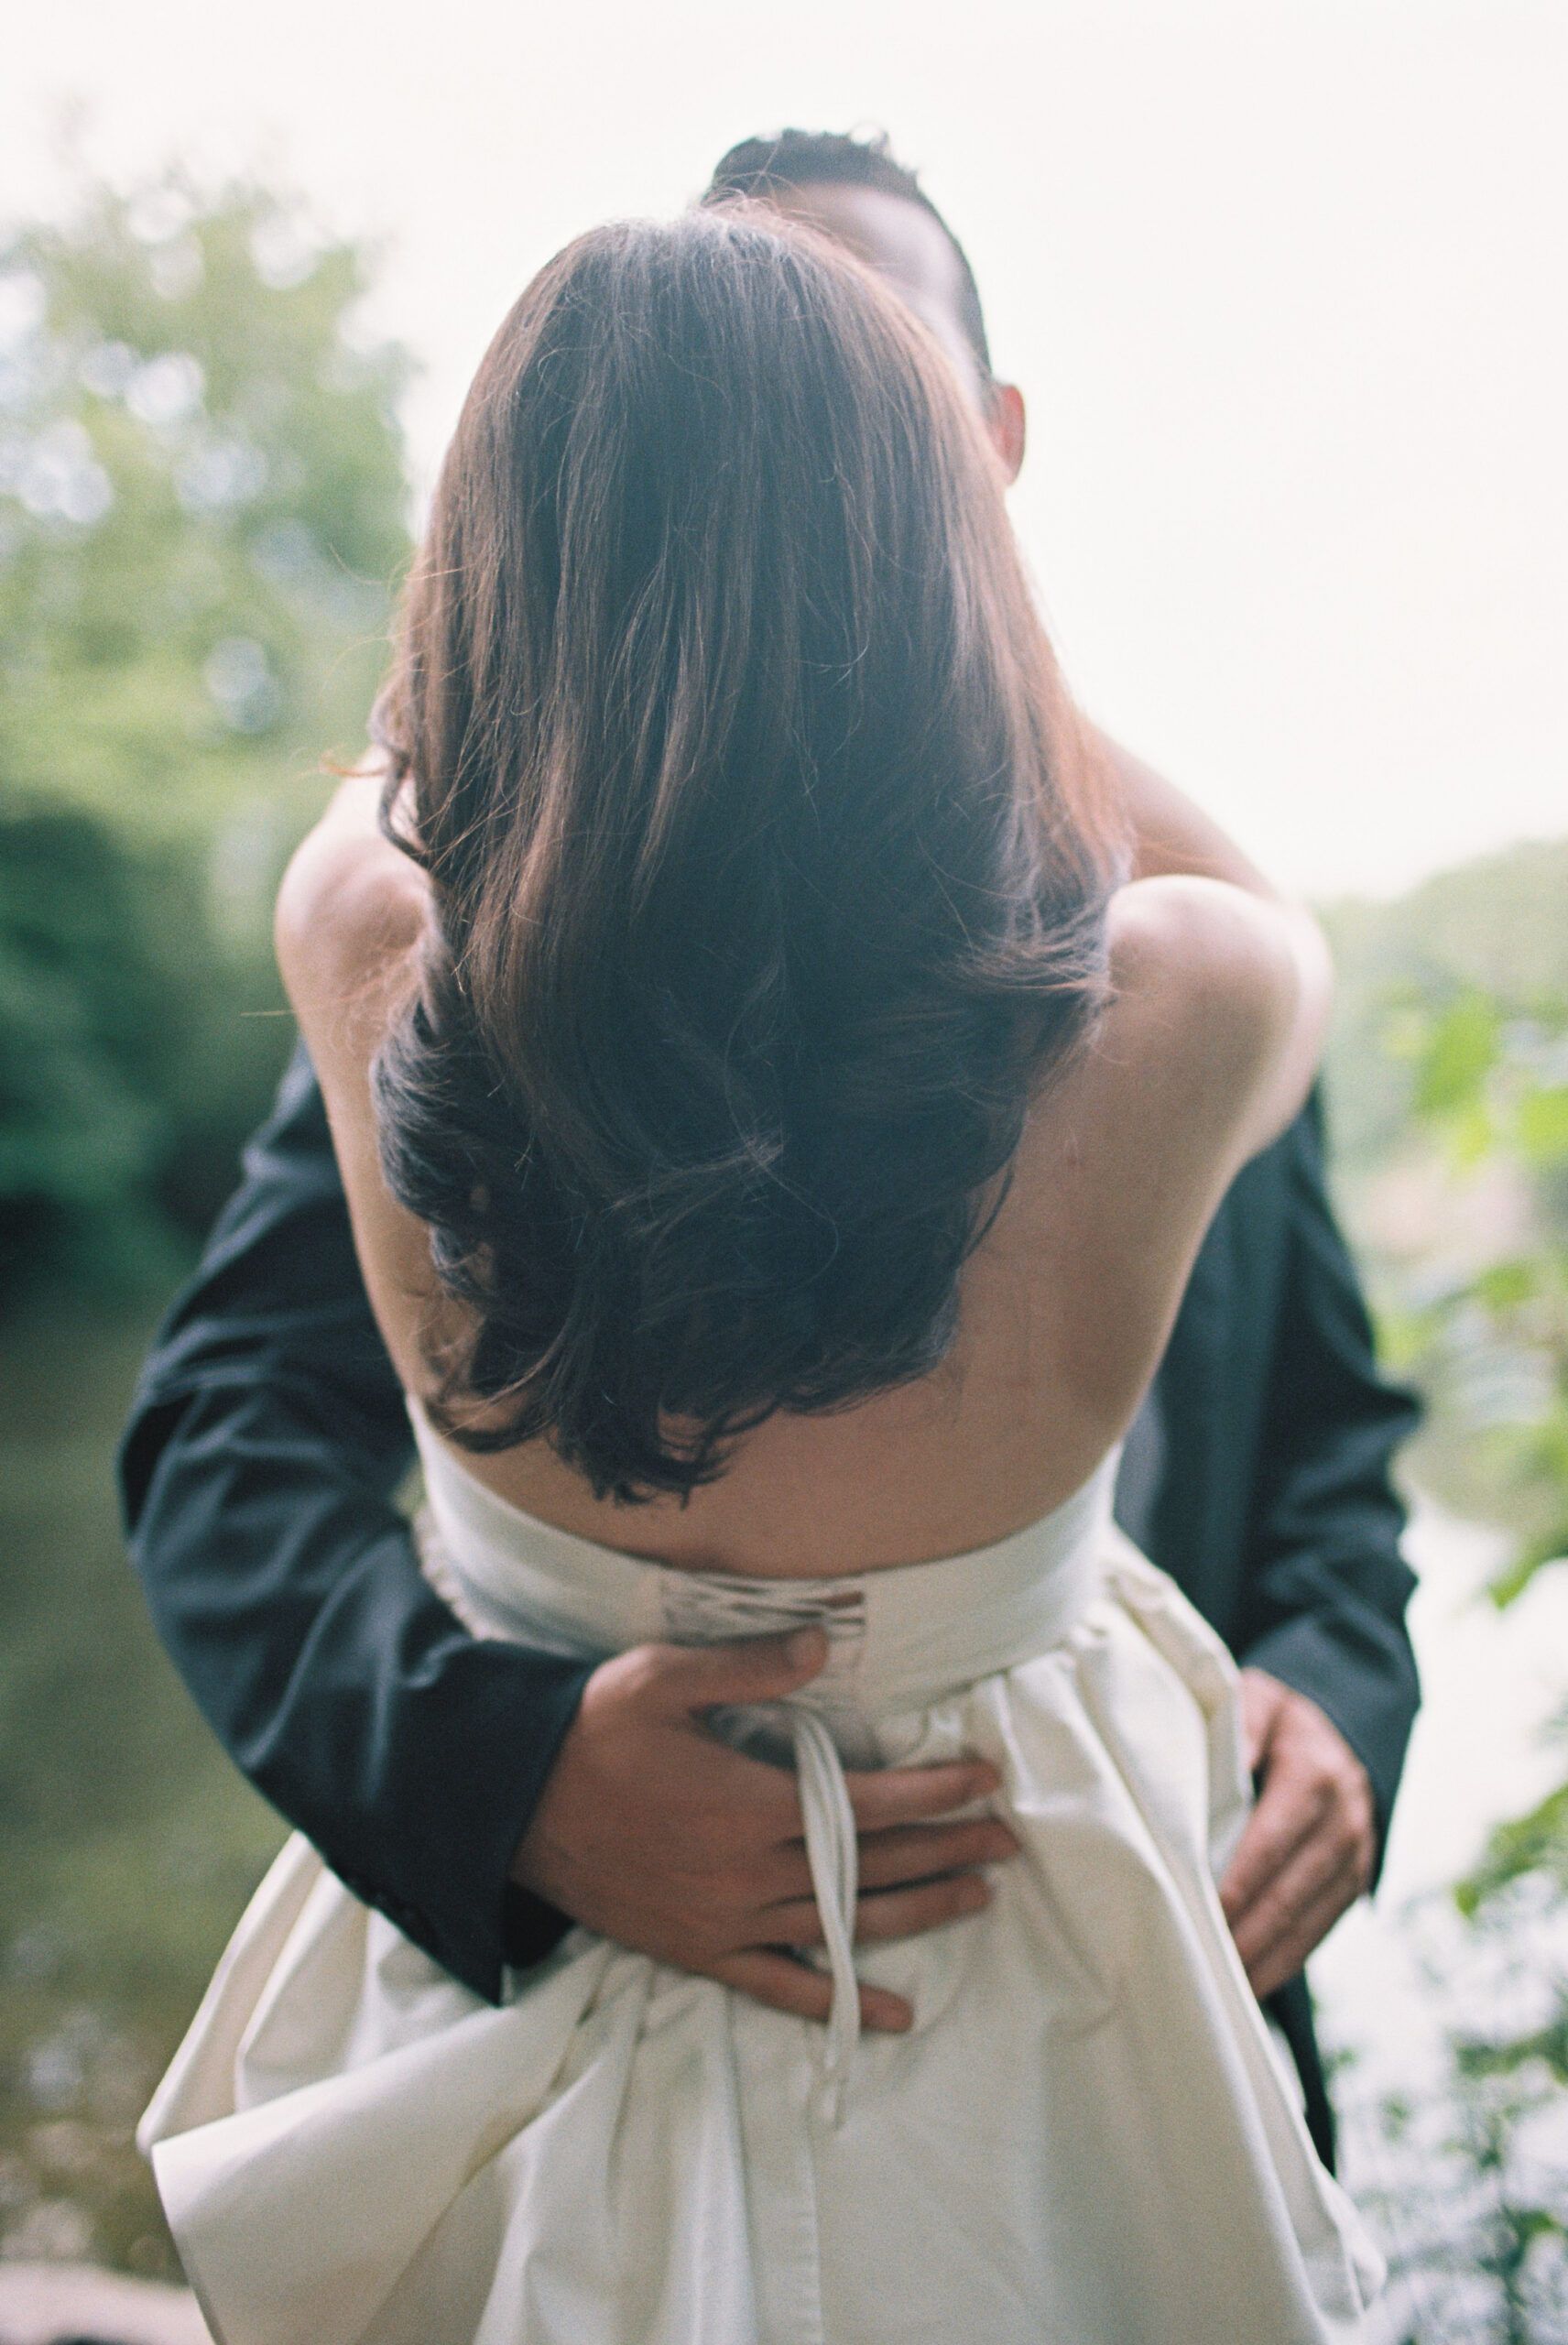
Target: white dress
{"points": [[1089, 2138]]}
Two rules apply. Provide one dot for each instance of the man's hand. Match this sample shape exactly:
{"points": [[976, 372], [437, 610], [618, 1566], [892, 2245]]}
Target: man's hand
{"points": [[1310, 1843], [651, 1831]]}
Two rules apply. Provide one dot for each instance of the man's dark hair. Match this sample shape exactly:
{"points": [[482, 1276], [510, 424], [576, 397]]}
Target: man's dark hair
{"points": [[829, 157]]}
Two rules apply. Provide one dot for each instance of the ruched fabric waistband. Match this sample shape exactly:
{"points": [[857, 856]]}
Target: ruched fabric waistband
{"points": [[898, 1639]]}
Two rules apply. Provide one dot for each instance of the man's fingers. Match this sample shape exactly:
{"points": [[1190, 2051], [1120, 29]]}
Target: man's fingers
{"points": [[905, 1854], [778, 1980], [1297, 1887], [1278, 1825], [1287, 1951], [889, 1914], [1323, 1866], [897, 1859], [1314, 1809], [786, 1985], [748, 1669], [888, 1796], [904, 1912]]}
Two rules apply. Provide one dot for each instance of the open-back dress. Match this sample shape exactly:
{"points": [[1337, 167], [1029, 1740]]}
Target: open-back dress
{"points": [[1088, 2138]]}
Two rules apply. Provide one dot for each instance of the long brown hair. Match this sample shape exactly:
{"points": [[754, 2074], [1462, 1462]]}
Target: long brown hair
{"points": [[769, 876]]}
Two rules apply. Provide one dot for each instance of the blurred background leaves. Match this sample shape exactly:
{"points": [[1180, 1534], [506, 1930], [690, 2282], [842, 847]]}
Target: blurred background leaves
{"points": [[202, 512], [1451, 1062]]}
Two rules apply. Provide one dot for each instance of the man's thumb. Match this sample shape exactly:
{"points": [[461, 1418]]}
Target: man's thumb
{"points": [[754, 1669]]}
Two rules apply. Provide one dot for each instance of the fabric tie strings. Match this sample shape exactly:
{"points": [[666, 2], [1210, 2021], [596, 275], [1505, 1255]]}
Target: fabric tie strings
{"points": [[834, 1855]]}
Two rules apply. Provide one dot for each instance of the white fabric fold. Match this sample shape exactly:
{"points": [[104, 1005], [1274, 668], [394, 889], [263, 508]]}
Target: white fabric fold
{"points": [[833, 1852]]}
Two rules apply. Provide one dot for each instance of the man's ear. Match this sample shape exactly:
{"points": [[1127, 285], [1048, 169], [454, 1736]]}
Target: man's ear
{"points": [[1008, 426]]}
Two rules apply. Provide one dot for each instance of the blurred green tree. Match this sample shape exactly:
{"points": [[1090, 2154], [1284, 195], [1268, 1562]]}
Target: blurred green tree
{"points": [[203, 511], [1481, 2209], [1488, 1335]]}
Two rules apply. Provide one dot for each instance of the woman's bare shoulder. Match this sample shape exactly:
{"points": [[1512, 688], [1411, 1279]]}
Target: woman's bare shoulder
{"points": [[1220, 998], [1202, 945], [351, 910]]}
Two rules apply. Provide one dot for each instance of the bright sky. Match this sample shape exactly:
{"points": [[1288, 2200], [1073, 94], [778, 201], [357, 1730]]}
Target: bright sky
{"points": [[1284, 281]]}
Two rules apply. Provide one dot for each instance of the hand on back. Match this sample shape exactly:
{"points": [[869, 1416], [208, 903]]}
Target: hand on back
{"points": [[653, 1832]]}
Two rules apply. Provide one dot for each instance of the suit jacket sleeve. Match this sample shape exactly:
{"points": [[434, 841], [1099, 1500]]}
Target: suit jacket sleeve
{"points": [[1326, 1586], [258, 1472]]}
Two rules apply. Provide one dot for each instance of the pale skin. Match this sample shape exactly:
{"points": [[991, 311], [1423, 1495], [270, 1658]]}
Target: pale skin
{"points": [[649, 1829]]}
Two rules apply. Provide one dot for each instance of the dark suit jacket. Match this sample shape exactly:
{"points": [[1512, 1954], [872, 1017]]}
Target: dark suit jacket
{"points": [[269, 1438]]}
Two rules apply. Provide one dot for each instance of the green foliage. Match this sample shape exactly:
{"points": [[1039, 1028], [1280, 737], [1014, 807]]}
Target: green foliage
{"points": [[135, 1047], [1460, 1051], [1489, 1083], [201, 513], [203, 503], [1492, 932], [1486, 1066], [1452, 1055], [1466, 2186], [1533, 1844]]}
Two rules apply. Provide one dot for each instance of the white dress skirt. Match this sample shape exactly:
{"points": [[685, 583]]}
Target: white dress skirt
{"points": [[1089, 2138]]}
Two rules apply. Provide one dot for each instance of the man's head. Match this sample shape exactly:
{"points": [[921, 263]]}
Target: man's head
{"points": [[857, 192]]}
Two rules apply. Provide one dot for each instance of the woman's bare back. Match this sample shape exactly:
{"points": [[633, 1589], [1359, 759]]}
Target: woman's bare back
{"points": [[1204, 1053]]}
